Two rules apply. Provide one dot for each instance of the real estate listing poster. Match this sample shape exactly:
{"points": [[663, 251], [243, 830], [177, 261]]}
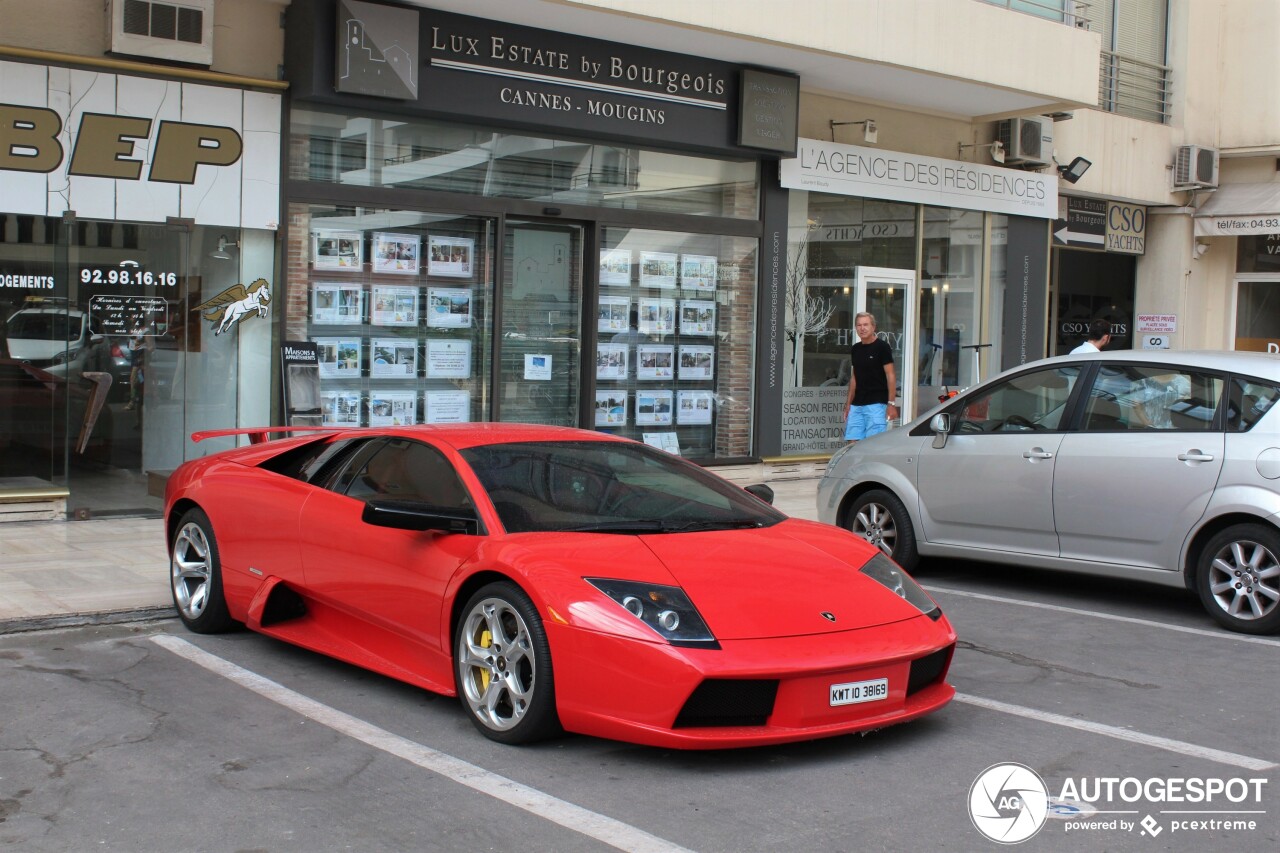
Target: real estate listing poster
{"points": [[448, 358], [448, 407], [394, 306], [653, 408], [396, 253], [393, 357], [392, 408]]}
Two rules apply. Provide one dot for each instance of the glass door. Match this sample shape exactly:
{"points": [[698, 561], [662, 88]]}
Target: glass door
{"points": [[541, 323], [890, 296]]}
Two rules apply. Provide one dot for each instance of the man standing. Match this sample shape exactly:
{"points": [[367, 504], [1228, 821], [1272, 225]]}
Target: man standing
{"points": [[871, 382], [1099, 337]]}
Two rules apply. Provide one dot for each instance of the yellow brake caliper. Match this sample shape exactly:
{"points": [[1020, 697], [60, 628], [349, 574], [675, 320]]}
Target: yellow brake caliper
{"points": [[486, 641]]}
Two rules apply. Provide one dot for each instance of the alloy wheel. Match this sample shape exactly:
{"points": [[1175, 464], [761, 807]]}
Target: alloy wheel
{"points": [[497, 666], [191, 570], [1244, 579], [876, 524]]}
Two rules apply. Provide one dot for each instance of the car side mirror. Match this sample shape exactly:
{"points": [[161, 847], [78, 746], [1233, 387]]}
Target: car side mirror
{"points": [[761, 491], [403, 514], [941, 426]]}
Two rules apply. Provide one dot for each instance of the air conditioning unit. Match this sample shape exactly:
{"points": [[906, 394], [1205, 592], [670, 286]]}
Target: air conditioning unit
{"points": [[1027, 141], [174, 30], [1195, 167]]}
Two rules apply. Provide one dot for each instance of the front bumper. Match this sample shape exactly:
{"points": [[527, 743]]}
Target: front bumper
{"points": [[657, 694]]}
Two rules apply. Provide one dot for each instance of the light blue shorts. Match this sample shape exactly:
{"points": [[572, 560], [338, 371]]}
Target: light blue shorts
{"points": [[866, 421]]}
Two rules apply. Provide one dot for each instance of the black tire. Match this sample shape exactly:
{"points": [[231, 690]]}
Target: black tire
{"points": [[195, 576], [1238, 578], [881, 519], [506, 684]]}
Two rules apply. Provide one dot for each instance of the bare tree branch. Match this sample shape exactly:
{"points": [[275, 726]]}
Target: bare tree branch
{"points": [[806, 314]]}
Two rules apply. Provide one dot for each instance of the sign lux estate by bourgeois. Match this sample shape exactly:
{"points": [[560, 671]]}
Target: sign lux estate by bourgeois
{"points": [[493, 71]]}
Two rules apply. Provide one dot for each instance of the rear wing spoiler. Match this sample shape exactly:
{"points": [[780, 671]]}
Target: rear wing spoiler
{"points": [[259, 435]]}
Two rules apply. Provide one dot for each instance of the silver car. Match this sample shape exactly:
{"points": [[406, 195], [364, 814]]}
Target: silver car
{"points": [[1154, 465]]}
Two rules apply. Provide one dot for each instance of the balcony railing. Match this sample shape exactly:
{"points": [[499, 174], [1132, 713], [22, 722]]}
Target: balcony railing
{"points": [[1073, 13], [1134, 88]]}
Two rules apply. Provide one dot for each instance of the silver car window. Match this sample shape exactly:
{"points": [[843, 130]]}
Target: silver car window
{"points": [[1026, 402], [1250, 400], [1152, 397]]}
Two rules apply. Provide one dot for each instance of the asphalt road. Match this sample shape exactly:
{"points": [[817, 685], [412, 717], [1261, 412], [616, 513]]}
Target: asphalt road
{"points": [[144, 737]]}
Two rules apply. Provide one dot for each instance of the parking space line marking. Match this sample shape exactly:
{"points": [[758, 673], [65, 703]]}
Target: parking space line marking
{"points": [[583, 821], [1165, 743], [1200, 632]]}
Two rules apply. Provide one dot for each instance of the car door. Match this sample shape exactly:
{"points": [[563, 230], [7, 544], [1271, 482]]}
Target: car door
{"points": [[990, 485], [389, 582], [1142, 467]]}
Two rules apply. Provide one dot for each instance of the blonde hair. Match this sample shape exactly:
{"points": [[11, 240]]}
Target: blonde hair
{"points": [[868, 315]]}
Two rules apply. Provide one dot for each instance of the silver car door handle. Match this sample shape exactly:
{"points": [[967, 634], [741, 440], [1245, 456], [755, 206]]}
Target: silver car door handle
{"points": [[1036, 453], [1195, 456]]}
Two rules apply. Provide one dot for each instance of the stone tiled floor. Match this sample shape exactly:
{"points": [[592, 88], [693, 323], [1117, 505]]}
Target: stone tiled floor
{"points": [[74, 567], [78, 567]]}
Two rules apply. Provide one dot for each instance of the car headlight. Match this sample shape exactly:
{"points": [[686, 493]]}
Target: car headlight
{"points": [[838, 455], [665, 609], [65, 356], [886, 572]]}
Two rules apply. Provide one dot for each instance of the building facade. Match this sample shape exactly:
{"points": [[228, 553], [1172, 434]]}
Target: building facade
{"points": [[654, 218]]}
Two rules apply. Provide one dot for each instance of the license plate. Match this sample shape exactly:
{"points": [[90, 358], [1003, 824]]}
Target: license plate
{"points": [[853, 692]]}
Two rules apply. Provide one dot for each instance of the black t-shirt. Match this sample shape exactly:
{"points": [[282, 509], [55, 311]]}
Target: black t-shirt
{"points": [[872, 386]]}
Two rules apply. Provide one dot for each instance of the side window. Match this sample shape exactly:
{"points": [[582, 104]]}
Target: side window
{"points": [[336, 475], [1027, 402], [1250, 400], [412, 471], [1152, 397]]}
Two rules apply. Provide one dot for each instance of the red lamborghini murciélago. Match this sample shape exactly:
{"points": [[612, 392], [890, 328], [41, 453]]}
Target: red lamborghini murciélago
{"points": [[555, 578]]}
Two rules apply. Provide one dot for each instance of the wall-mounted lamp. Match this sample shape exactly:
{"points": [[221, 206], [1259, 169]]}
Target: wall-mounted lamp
{"points": [[1074, 171], [221, 252], [997, 149], [1200, 248], [869, 132]]}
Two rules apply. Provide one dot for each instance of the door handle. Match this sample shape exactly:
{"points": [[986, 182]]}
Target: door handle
{"points": [[1195, 456], [1036, 453]]}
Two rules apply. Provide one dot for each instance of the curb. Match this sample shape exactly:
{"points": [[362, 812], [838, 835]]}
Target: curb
{"points": [[81, 620]]}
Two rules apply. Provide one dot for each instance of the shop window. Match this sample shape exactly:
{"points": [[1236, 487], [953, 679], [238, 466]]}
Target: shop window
{"points": [[837, 235], [1089, 285], [418, 154], [1257, 317], [950, 300], [675, 348], [1258, 253], [399, 304]]}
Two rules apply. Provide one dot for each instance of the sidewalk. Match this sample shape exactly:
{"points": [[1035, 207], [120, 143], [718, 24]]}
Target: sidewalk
{"points": [[62, 573]]}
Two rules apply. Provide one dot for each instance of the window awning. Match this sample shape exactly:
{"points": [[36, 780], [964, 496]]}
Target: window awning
{"points": [[1240, 209]]}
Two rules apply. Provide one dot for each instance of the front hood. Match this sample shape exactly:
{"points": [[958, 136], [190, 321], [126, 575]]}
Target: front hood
{"points": [[778, 581], [748, 584], [32, 350]]}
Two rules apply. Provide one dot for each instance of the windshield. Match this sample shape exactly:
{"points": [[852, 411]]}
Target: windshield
{"points": [[608, 487]]}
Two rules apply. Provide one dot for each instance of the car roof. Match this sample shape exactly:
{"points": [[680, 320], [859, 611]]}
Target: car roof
{"points": [[1262, 364], [463, 436]]}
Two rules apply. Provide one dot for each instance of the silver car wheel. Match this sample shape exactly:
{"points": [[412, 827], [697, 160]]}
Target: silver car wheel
{"points": [[191, 570], [875, 523], [497, 665], [1244, 579]]}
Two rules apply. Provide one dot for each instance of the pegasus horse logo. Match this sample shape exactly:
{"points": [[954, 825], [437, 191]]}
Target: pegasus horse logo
{"points": [[236, 303]]}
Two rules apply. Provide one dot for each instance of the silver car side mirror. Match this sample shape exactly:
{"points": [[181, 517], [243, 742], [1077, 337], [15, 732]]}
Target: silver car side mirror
{"points": [[941, 426]]}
